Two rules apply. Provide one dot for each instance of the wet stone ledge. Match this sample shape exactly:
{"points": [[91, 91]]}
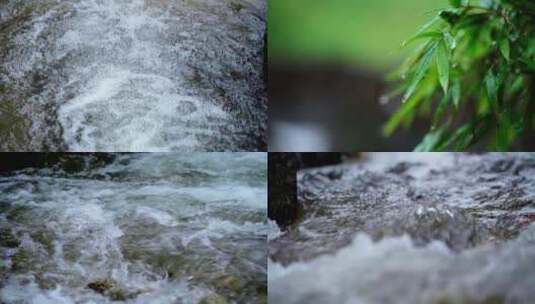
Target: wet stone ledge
{"points": [[463, 200]]}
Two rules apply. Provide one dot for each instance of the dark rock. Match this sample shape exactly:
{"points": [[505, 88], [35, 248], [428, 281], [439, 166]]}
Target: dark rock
{"points": [[7, 239], [20, 262], [109, 288]]}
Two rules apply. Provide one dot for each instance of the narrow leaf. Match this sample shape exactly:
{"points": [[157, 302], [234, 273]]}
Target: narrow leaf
{"points": [[420, 72], [443, 66], [505, 48], [433, 35], [450, 40], [430, 141], [428, 25]]}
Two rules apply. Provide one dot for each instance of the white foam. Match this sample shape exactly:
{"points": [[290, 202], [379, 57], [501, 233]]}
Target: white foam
{"points": [[131, 98], [91, 223], [162, 217], [394, 270]]}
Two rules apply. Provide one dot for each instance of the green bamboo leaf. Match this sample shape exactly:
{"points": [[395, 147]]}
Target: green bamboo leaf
{"points": [[505, 48], [400, 115], [430, 141], [428, 25], [443, 66], [422, 69], [450, 41], [433, 35]]}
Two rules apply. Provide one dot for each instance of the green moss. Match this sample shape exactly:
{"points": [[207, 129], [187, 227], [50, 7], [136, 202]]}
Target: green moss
{"points": [[19, 214], [20, 262], [7, 239], [172, 265], [213, 299], [44, 239], [45, 283], [237, 7], [229, 282]]}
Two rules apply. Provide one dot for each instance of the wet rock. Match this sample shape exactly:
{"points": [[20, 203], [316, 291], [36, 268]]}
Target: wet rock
{"points": [[19, 214], [170, 265], [463, 200], [426, 223], [109, 288], [20, 262], [7, 239], [45, 282], [230, 282], [213, 299], [45, 239]]}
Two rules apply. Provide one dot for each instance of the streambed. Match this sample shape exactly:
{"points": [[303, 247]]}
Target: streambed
{"points": [[143, 228]]}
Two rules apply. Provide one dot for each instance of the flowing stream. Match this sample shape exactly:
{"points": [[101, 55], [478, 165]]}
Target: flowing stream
{"points": [[410, 228], [132, 75], [145, 228]]}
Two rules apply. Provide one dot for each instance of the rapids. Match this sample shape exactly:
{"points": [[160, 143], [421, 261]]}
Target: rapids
{"points": [[147, 228], [132, 75]]}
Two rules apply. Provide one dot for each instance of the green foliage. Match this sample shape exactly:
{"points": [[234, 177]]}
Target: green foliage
{"points": [[474, 68]]}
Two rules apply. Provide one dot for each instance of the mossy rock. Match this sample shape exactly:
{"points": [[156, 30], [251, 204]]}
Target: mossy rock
{"points": [[109, 288], [237, 7], [20, 262], [7, 239], [230, 282], [44, 282], [44, 239], [213, 299], [172, 265], [19, 214]]}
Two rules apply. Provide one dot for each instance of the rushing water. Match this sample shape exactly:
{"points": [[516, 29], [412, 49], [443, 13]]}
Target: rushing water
{"points": [[132, 75], [148, 228], [410, 228]]}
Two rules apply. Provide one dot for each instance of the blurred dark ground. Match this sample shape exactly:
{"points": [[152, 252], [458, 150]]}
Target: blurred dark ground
{"points": [[329, 107]]}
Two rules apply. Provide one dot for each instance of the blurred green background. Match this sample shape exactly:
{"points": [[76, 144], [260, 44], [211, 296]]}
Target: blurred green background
{"points": [[366, 33]]}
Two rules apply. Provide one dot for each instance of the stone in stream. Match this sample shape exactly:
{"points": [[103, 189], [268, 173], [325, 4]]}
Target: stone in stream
{"points": [[20, 261], [109, 288]]}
